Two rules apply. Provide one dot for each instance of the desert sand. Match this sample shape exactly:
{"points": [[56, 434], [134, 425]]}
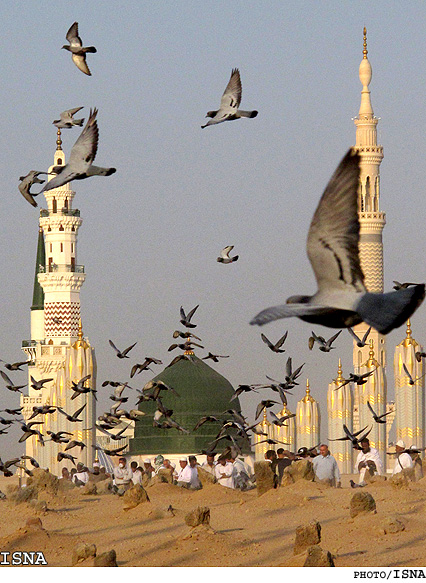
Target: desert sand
{"points": [[246, 529]]}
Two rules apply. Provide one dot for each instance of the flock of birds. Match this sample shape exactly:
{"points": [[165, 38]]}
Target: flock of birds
{"points": [[341, 301]]}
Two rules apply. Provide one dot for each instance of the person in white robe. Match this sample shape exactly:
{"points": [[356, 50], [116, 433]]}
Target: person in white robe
{"points": [[368, 460], [403, 458], [224, 472], [136, 474], [184, 475], [122, 477]]}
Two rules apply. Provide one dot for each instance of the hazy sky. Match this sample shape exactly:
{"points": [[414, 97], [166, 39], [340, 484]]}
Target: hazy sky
{"points": [[152, 231]]}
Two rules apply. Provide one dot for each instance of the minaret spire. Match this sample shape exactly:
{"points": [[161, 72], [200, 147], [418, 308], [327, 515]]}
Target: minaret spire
{"points": [[372, 222], [365, 52]]}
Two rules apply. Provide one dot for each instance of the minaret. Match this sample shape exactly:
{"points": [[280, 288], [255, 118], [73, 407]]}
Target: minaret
{"points": [[307, 421], [373, 392], [286, 433], [261, 448], [409, 399], [57, 349], [372, 220], [339, 407]]}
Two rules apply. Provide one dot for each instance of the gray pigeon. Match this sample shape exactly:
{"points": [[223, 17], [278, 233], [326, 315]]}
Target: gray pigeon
{"points": [[229, 103], [83, 153], [26, 183], [78, 52], [224, 255], [67, 120], [342, 300]]}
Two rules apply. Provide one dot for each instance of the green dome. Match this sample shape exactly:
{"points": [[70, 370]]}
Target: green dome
{"points": [[202, 391]]}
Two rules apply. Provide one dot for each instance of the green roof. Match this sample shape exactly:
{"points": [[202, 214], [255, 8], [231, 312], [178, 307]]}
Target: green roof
{"points": [[38, 293], [202, 391]]}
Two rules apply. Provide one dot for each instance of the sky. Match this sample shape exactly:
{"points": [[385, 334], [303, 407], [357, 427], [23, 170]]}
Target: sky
{"points": [[152, 231]]}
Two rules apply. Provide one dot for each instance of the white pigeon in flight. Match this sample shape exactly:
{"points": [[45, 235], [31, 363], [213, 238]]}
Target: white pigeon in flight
{"points": [[229, 103], [78, 52], [224, 255], [342, 300], [83, 153], [67, 120]]}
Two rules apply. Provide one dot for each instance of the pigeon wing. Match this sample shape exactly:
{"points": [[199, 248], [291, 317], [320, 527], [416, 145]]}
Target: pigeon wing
{"points": [[288, 311], [129, 348], [80, 62], [226, 251], [231, 97], [72, 36], [191, 313], [333, 237], [6, 378], [266, 341], [83, 153]]}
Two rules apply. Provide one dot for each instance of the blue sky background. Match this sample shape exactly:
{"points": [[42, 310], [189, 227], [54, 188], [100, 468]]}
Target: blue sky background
{"points": [[152, 231]]}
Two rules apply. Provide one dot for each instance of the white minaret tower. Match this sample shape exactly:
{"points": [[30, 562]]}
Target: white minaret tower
{"points": [[57, 349], [372, 220]]}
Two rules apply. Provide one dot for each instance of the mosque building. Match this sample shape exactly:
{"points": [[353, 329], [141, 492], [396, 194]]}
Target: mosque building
{"points": [[201, 391], [60, 354], [57, 350]]}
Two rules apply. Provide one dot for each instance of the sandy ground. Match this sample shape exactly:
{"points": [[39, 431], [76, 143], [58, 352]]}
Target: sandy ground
{"points": [[247, 530]]}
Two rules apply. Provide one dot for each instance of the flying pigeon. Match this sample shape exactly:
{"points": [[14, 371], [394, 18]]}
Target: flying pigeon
{"points": [[229, 103], [411, 381], [355, 378], [325, 345], [277, 346], [78, 52], [26, 183], [342, 300], [214, 357], [122, 354], [224, 255], [15, 365], [378, 418], [83, 153], [360, 342], [67, 120], [186, 319]]}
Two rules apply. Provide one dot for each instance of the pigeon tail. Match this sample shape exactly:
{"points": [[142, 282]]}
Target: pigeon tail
{"points": [[250, 114], [384, 312]]}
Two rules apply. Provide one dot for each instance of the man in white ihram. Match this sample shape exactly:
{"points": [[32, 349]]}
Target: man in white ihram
{"points": [[368, 460], [184, 475], [403, 459]]}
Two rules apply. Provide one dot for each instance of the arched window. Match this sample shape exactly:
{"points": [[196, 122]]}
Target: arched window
{"points": [[61, 228], [55, 205]]}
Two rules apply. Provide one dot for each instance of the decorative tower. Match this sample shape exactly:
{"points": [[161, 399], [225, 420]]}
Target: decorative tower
{"points": [[307, 421], [409, 398], [339, 407], [57, 349], [261, 448], [287, 433], [372, 220], [373, 392]]}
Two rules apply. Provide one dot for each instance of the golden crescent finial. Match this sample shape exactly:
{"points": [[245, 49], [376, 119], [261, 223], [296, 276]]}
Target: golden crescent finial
{"points": [[365, 52], [58, 140]]}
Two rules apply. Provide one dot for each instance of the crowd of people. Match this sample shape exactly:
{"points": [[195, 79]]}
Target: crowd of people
{"points": [[230, 471]]}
